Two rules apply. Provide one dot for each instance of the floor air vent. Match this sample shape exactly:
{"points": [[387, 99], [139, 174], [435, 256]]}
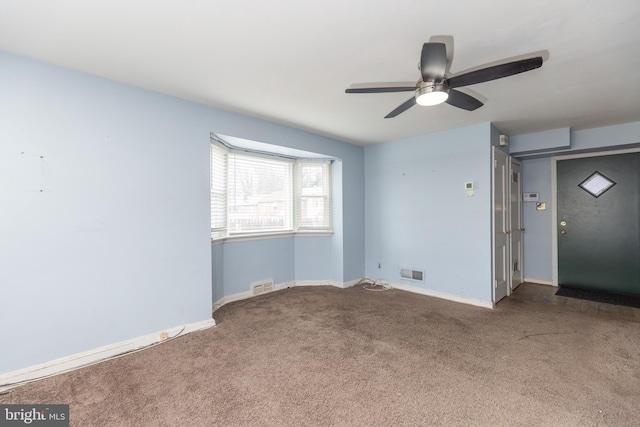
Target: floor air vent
{"points": [[258, 288], [409, 274]]}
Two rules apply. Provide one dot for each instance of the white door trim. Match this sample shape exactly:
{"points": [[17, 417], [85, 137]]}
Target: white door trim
{"points": [[518, 248], [494, 232], [554, 197]]}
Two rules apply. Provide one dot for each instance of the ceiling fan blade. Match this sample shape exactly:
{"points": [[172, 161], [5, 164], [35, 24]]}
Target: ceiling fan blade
{"points": [[462, 100], [381, 89], [495, 72], [433, 61], [402, 108]]}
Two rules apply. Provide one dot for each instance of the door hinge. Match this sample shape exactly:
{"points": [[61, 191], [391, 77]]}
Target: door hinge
{"points": [[495, 283]]}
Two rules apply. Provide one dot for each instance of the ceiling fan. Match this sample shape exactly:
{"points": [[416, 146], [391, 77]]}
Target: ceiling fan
{"points": [[435, 87]]}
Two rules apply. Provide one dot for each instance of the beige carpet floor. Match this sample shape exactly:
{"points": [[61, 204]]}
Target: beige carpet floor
{"points": [[322, 356]]}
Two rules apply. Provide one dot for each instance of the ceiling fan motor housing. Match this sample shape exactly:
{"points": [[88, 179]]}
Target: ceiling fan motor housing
{"points": [[431, 92]]}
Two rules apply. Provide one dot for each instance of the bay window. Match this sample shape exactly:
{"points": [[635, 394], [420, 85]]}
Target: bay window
{"points": [[257, 194]]}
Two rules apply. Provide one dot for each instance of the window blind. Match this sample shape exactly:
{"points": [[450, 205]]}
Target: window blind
{"points": [[260, 195], [219, 158]]}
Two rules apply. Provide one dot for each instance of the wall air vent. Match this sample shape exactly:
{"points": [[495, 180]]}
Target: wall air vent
{"points": [[258, 288], [410, 274]]}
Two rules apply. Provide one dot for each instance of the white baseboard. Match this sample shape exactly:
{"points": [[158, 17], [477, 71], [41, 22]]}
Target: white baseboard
{"points": [[351, 283], [248, 294], [334, 283], [90, 357], [538, 281], [279, 286], [442, 295], [231, 298]]}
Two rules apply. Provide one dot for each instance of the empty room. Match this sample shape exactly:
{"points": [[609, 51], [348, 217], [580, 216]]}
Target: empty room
{"points": [[338, 213]]}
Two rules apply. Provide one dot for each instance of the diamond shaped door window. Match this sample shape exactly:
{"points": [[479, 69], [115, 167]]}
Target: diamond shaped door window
{"points": [[596, 184]]}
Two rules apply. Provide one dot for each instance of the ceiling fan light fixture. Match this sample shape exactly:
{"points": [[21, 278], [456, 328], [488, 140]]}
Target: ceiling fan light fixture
{"points": [[432, 94], [435, 86]]}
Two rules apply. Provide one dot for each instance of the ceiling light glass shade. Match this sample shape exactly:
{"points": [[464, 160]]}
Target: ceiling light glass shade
{"points": [[432, 98], [432, 94]]}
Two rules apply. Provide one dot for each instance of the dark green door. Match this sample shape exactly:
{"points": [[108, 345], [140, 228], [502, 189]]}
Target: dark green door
{"points": [[598, 223]]}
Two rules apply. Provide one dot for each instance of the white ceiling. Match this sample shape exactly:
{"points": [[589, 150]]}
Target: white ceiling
{"points": [[289, 61]]}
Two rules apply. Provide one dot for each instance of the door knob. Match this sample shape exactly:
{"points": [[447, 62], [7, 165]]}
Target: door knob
{"points": [[522, 229], [508, 232], [563, 223], [563, 232]]}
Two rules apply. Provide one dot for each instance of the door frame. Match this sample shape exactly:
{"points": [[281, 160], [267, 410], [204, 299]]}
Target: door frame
{"points": [[506, 205], [512, 227], [554, 198]]}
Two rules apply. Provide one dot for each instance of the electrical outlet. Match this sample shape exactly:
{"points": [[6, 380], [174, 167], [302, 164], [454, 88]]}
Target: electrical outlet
{"points": [[163, 336]]}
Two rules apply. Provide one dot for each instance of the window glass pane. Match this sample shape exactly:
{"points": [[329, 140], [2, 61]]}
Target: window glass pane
{"points": [[314, 203], [596, 184], [260, 195], [312, 179], [256, 193]]}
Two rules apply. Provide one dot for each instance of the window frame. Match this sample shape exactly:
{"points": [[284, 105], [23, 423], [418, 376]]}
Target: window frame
{"points": [[244, 160], [326, 195], [222, 234], [219, 155]]}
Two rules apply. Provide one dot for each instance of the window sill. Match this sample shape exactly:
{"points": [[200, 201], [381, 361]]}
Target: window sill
{"points": [[247, 237]]}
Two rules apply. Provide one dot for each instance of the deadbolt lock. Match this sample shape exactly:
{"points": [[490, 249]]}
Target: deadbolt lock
{"points": [[563, 223]]}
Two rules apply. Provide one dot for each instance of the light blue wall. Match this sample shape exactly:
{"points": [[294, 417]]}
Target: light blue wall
{"points": [[257, 260], [551, 140], [217, 266], [312, 258], [537, 178], [610, 137], [118, 243], [419, 216]]}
